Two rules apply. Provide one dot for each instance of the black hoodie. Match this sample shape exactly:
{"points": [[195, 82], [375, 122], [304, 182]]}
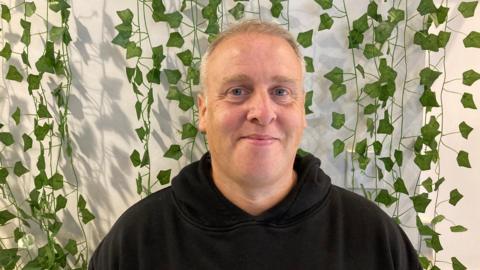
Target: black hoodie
{"points": [[191, 225]]}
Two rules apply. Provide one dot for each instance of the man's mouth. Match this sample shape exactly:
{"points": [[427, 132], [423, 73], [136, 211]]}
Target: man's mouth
{"points": [[259, 139]]}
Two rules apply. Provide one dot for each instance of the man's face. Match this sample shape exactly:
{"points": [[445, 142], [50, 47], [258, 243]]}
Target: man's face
{"points": [[252, 109]]}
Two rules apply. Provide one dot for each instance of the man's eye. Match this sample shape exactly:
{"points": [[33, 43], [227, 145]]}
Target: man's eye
{"points": [[237, 91], [280, 92]]}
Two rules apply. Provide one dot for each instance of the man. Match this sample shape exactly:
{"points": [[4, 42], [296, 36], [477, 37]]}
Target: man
{"points": [[251, 203]]}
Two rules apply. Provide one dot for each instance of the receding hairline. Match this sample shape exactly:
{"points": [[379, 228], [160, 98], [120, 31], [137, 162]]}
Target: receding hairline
{"points": [[249, 27]]}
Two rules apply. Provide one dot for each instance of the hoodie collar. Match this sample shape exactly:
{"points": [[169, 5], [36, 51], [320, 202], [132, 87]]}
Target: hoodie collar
{"points": [[202, 203]]}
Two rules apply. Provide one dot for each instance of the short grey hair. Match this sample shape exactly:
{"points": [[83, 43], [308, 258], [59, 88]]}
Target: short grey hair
{"points": [[249, 26]]}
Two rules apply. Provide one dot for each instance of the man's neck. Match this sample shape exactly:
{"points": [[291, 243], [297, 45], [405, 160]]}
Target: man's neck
{"points": [[252, 197]]}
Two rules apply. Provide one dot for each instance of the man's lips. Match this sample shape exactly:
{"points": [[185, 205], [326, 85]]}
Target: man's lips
{"points": [[259, 139]]}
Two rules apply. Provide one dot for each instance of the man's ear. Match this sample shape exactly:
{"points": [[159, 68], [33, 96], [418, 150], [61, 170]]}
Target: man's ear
{"points": [[202, 110]]}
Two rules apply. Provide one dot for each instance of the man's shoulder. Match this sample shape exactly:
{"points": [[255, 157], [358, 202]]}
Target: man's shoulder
{"points": [[153, 209], [356, 207]]}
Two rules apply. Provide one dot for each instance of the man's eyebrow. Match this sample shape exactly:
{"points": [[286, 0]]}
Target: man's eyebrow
{"points": [[236, 78], [283, 79]]}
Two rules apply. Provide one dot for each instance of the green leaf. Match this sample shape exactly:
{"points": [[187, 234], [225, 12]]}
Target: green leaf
{"points": [[6, 138], [163, 177], [338, 147], [420, 202], [372, 11], [337, 90], [430, 130], [6, 52], [470, 76], [363, 162], [426, 7], [135, 158], [157, 56], [434, 243], [437, 219], [173, 75], [56, 33], [33, 81], [46, 63], [56, 181], [472, 40], [396, 15], [71, 247], [384, 125], [305, 38], [455, 197], [426, 41], [5, 216], [16, 116], [398, 157], [370, 108], [19, 169], [133, 50], [371, 51], [18, 234], [388, 163], [361, 24], [355, 38], [42, 111], [338, 120], [377, 147], [428, 99], [467, 8], [428, 184], [173, 19], [174, 152], [175, 40], [386, 72], [141, 133], [467, 101], [153, 76], [443, 38], [193, 75], [325, 4], [3, 175], [423, 161], [130, 72], [188, 131], [60, 203], [30, 8], [399, 186], [6, 13], [145, 159], [458, 228], [185, 102], [383, 31], [457, 265], [428, 76], [125, 15], [335, 75], [25, 39], [186, 57], [373, 89], [464, 129], [40, 180], [138, 76], [308, 102], [361, 70], [81, 204], [308, 64], [361, 147], [385, 198], [462, 159], [87, 216], [239, 9], [13, 74], [276, 8], [326, 22]]}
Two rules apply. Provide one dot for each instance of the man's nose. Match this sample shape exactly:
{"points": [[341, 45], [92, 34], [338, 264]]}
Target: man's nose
{"points": [[261, 108]]}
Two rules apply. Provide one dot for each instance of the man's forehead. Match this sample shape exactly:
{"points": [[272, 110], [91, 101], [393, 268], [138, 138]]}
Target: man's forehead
{"points": [[247, 78]]}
